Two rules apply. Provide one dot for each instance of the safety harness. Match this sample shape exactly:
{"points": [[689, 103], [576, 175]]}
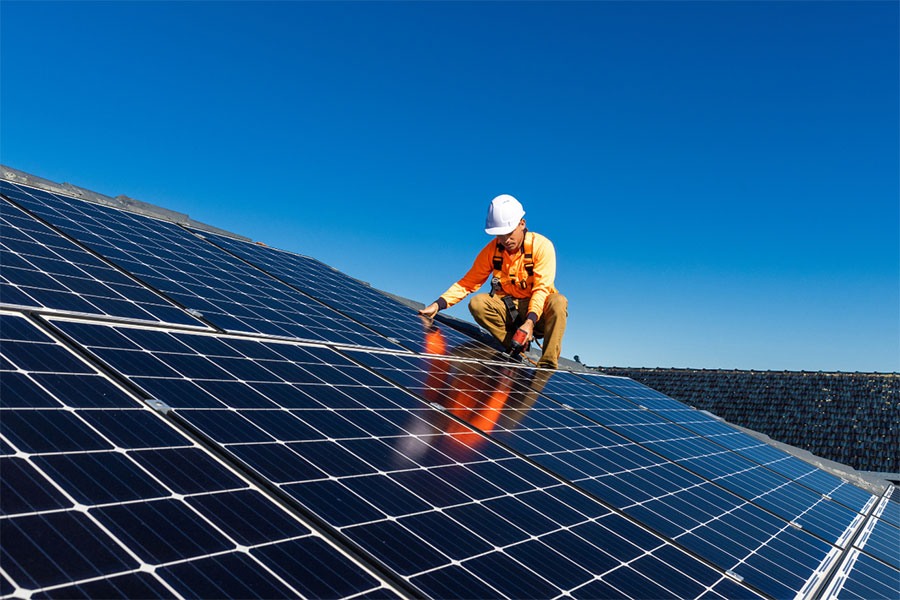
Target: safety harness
{"points": [[496, 282]]}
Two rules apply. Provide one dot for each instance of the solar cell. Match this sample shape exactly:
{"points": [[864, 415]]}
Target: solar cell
{"points": [[505, 402], [446, 509], [42, 269], [226, 291], [100, 497], [350, 297], [738, 441]]}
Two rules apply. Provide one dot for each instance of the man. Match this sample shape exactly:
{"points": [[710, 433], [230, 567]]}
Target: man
{"points": [[523, 264]]}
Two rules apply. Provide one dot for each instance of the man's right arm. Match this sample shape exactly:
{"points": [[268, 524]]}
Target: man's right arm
{"points": [[471, 281]]}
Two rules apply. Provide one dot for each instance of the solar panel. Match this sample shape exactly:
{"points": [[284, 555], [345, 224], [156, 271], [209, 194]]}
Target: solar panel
{"points": [[733, 533], [350, 297], [862, 577], [738, 441], [449, 511], [880, 537], [881, 540], [889, 509], [227, 292], [809, 410], [797, 504], [42, 269], [294, 469], [102, 498]]}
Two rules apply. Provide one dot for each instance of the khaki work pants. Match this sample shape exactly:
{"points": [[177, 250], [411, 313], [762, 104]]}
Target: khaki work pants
{"points": [[490, 312]]}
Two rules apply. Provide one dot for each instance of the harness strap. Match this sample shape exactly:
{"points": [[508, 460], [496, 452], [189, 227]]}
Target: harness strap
{"points": [[513, 312], [529, 256], [529, 261], [498, 257]]}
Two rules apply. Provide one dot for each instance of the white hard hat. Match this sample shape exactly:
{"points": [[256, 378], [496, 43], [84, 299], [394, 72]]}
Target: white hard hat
{"points": [[503, 215]]}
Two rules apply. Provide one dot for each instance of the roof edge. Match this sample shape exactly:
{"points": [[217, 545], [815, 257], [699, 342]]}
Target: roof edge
{"points": [[871, 481]]}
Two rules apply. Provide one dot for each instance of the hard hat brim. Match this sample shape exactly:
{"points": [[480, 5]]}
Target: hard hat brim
{"points": [[502, 230]]}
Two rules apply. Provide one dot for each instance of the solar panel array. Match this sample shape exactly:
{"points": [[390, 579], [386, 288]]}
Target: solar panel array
{"points": [[228, 293], [101, 497], [42, 269], [849, 418], [186, 415]]}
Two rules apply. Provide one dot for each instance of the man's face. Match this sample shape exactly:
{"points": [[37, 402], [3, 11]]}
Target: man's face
{"points": [[512, 241]]}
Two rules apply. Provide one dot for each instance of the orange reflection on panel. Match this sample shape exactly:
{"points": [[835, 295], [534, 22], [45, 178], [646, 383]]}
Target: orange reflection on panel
{"points": [[472, 392]]}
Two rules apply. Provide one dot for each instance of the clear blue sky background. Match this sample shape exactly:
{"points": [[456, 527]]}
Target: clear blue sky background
{"points": [[720, 179]]}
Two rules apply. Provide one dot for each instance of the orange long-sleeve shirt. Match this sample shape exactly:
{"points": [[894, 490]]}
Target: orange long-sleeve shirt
{"points": [[538, 287]]}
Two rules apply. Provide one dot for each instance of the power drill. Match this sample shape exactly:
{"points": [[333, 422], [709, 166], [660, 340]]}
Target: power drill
{"points": [[518, 343]]}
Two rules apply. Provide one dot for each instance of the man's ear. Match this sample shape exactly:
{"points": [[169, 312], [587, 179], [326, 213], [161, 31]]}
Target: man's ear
{"points": [[522, 223]]}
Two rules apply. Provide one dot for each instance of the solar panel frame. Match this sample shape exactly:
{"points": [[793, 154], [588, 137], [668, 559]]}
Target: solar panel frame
{"points": [[378, 503], [195, 274], [92, 509]]}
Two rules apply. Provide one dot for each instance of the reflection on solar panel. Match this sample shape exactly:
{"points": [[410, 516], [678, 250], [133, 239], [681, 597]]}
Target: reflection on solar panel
{"points": [[348, 296], [454, 514], [102, 498], [227, 292], [282, 468], [727, 530], [737, 441], [42, 269]]}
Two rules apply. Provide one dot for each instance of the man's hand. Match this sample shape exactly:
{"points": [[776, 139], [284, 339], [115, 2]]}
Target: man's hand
{"points": [[430, 310], [528, 327]]}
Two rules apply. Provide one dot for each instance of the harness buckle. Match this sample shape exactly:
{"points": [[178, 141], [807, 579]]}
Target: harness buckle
{"points": [[496, 287]]}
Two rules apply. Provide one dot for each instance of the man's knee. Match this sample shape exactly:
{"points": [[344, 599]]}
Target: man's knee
{"points": [[479, 303], [556, 304]]}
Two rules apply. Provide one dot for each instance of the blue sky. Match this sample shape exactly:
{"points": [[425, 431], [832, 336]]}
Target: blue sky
{"points": [[720, 179]]}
